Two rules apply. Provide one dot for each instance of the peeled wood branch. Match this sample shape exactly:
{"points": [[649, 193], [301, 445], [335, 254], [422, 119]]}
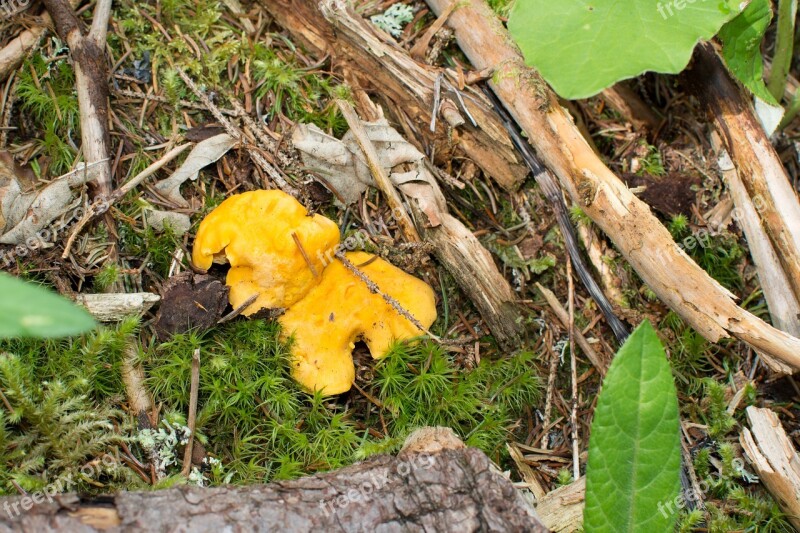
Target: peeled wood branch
{"points": [[642, 239], [91, 75]]}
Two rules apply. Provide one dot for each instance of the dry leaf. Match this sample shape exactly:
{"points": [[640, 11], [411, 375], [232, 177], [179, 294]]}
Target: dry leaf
{"points": [[202, 155], [25, 213], [343, 168]]}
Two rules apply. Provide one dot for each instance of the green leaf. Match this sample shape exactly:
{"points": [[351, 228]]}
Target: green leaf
{"points": [[583, 46], [633, 474], [27, 310], [741, 47]]}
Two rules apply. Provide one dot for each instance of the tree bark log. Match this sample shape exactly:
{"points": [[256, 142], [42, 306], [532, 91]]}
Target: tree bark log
{"points": [[454, 489]]}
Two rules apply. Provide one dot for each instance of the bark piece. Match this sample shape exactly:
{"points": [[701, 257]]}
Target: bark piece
{"points": [[113, 307], [642, 239], [775, 459], [408, 84], [413, 492]]}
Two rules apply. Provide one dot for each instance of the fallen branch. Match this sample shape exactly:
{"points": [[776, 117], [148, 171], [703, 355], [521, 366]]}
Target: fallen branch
{"points": [[409, 85], [642, 239], [430, 491], [91, 82], [783, 306]]}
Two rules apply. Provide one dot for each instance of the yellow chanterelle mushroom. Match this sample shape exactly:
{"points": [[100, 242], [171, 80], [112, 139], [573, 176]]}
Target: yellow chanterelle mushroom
{"points": [[275, 248], [341, 309]]}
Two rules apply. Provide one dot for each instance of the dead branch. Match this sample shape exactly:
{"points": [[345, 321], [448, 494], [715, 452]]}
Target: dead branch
{"points": [[642, 239], [776, 461], [91, 75]]}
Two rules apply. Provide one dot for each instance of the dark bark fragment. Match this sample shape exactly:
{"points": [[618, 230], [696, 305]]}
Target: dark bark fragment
{"points": [[453, 490]]}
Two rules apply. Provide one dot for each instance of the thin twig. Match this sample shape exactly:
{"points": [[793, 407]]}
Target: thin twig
{"points": [[563, 317], [374, 289], [551, 384], [236, 133], [192, 422], [238, 311], [576, 464], [305, 255]]}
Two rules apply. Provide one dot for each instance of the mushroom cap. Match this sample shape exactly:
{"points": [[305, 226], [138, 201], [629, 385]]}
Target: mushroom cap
{"points": [[254, 232], [341, 309]]}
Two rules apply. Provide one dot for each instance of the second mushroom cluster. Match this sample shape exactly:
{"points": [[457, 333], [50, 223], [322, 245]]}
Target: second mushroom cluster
{"points": [[281, 257]]}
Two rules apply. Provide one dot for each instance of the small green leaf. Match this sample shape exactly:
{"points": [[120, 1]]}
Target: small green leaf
{"points": [[27, 310], [634, 466], [741, 47], [583, 46]]}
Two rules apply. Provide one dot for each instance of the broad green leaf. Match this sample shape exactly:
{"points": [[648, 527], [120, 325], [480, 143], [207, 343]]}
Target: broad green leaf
{"points": [[633, 475], [741, 47], [583, 46], [27, 310]]}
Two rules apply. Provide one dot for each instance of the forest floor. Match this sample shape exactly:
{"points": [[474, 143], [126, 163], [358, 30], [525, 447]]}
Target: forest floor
{"points": [[66, 400]]}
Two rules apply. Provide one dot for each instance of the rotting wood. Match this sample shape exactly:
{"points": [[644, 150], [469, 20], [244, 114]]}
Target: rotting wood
{"points": [[409, 85], [561, 510], [624, 100], [756, 161], [414, 491], [637, 233], [774, 458]]}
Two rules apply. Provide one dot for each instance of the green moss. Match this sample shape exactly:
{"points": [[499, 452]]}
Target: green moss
{"points": [[65, 426]]}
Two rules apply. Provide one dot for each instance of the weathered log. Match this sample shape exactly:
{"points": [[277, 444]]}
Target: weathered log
{"points": [[454, 489], [758, 165], [407, 83], [637, 233]]}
